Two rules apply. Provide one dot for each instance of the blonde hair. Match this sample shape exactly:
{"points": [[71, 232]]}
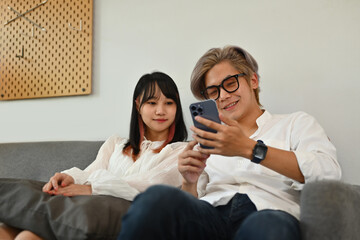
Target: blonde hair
{"points": [[236, 56]]}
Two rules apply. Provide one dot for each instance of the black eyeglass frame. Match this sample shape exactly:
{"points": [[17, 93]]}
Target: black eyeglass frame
{"points": [[222, 86]]}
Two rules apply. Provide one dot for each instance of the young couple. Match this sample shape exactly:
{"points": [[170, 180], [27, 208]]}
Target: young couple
{"points": [[246, 187]]}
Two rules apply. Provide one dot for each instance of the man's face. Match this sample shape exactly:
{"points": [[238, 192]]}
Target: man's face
{"points": [[236, 105]]}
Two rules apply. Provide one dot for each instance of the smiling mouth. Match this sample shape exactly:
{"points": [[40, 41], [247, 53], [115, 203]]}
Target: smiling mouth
{"points": [[160, 120], [231, 105]]}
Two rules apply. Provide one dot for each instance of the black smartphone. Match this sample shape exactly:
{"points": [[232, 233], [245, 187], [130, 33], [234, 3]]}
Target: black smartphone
{"points": [[206, 109]]}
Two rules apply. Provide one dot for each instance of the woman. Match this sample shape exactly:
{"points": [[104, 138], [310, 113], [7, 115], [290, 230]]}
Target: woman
{"points": [[125, 167]]}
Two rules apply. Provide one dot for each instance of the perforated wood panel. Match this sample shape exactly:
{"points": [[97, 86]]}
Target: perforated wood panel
{"points": [[45, 52]]}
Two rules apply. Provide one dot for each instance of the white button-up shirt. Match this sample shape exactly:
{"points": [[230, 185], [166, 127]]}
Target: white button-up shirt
{"points": [[299, 132]]}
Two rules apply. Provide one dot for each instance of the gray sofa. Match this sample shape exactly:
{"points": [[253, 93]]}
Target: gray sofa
{"points": [[40, 160], [329, 209], [54, 217]]}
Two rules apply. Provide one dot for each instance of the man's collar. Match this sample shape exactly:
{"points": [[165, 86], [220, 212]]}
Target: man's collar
{"points": [[260, 121]]}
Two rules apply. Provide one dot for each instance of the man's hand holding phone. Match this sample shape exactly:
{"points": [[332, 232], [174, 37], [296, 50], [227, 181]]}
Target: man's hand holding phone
{"points": [[228, 139]]}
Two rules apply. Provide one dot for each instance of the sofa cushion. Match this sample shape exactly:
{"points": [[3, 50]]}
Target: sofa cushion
{"points": [[23, 205], [330, 210]]}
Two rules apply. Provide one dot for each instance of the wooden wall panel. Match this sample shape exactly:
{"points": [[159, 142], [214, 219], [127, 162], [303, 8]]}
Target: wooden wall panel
{"points": [[46, 52]]}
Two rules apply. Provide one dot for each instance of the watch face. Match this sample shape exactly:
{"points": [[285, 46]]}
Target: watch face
{"points": [[260, 151]]}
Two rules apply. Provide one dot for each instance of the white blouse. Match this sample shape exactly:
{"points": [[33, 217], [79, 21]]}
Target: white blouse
{"points": [[116, 174]]}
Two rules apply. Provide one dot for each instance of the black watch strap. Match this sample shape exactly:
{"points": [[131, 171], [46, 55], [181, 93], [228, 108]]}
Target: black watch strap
{"points": [[259, 152]]}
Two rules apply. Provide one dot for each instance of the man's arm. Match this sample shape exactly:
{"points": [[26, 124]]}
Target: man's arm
{"points": [[231, 141]]}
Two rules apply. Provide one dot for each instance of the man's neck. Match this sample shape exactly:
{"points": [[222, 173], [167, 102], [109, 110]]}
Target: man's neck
{"points": [[248, 124]]}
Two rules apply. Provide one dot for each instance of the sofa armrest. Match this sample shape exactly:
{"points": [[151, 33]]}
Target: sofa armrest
{"points": [[330, 210]]}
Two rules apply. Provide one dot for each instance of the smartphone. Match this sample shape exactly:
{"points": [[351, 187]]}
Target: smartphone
{"points": [[206, 109]]}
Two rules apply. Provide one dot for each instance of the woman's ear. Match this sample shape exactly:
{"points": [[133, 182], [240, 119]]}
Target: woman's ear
{"points": [[254, 81], [137, 105]]}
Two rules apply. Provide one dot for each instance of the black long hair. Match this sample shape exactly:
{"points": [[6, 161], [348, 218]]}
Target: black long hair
{"points": [[146, 87]]}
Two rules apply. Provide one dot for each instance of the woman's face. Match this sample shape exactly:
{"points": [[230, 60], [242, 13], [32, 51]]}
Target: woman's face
{"points": [[158, 113]]}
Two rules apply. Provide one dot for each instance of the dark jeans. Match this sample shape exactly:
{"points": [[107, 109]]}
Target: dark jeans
{"points": [[168, 213]]}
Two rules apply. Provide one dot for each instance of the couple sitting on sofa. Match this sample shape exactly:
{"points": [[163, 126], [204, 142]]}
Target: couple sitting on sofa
{"points": [[250, 178]]}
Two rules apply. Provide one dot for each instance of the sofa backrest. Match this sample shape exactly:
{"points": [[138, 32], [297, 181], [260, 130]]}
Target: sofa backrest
{"points": [[40, 160]]}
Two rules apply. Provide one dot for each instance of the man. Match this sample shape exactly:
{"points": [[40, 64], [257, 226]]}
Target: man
{"points": [[247, 186]]}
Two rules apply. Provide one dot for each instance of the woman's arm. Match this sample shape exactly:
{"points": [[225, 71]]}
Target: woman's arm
{"points": [[101, 161], [78, 176]]}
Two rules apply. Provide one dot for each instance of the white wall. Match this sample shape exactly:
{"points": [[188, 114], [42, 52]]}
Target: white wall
{"points": [[308, 53]]}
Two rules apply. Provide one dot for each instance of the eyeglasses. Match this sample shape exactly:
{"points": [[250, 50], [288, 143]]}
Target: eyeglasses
{"points": [[229, 84]]}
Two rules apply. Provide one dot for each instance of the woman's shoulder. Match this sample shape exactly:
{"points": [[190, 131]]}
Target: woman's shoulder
{"points": [[115, 140]]}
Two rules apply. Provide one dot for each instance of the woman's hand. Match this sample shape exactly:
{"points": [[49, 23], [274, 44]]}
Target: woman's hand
{"points": [[72, 190], [229, 140], [61, 179], [191, 164]]}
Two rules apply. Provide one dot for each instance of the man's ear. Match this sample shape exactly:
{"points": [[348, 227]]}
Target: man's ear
{"points": [[254, 81]]}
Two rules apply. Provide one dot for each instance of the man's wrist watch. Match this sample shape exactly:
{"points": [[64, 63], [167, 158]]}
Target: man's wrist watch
{"points": [[259, 152]]}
